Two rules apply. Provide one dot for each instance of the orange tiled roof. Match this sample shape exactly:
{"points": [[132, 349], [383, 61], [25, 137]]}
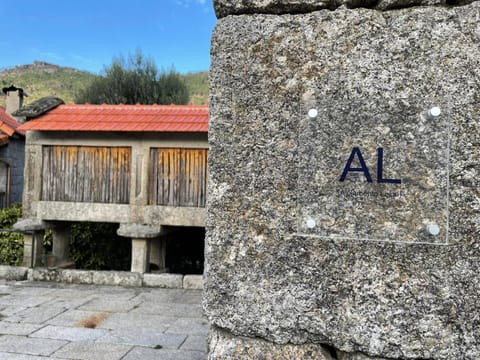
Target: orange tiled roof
{"points": [[123, 118], [8, 124]]}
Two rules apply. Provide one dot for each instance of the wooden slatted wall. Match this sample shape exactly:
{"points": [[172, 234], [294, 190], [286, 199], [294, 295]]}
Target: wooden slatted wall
{"points": [[178, 177], [86, 174]]}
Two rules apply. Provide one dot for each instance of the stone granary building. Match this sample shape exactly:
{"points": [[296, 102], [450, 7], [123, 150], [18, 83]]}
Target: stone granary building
{"points": [[141, 166]]}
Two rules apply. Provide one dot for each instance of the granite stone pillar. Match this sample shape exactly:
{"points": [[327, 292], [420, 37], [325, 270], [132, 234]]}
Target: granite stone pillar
{"points": [[158, 248], [32, 248], [61, 237], [343, 205], [141, 236], [33, 232], [140, 255]]}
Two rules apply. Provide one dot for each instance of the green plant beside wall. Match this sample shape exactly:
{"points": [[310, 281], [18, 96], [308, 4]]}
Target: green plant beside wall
{"points": [[11, 243], [96, 246]]}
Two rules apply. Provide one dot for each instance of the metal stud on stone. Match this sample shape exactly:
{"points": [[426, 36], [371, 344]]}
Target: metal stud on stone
{"points": [[312, 113], [433, 229], [311, 223], [434, 112]]}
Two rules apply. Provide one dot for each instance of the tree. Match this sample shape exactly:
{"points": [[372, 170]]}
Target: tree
{"points": [[135, 81]]}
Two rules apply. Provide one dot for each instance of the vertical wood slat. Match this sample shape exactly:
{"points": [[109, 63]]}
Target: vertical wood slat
{"points": [[177, 177], [86, 174]]}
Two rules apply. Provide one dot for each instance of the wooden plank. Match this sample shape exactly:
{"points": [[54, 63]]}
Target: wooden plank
{"points": [[177, 177], [86, 174]]}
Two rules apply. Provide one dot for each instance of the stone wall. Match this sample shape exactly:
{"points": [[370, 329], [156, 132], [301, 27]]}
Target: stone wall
{"points": [[295, 256], [14, 155]]}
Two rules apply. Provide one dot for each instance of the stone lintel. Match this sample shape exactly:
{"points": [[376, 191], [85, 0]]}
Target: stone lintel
{"points": [[119, 213], [24, 225], [139, 231]]}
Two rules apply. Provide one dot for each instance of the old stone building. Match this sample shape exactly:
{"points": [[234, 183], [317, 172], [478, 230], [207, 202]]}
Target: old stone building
{"points": [[141, 166]]}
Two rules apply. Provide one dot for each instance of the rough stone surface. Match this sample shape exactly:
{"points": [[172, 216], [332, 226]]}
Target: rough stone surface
{"points": [[264, 278], [43, 274], [76, 276], [224, 346], [163, 280], [193, 282], [355, 356], [121, 278], [238, 7], [13, 272]]}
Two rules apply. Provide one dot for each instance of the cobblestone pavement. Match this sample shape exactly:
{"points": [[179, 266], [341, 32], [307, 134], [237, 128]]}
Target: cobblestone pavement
{"points": [[41, 321]]}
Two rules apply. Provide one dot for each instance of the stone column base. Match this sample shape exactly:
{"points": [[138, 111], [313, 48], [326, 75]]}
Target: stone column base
{"points": [[32, 249], [33, 231], [140, 255], [141, 236]]}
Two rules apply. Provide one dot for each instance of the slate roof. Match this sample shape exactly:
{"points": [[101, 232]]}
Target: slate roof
{"points": [[122, 118], [39, 107]]}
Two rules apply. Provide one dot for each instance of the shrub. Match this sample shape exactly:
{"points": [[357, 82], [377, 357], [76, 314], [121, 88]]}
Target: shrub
{"points": [[11, 243], [96, 246]]}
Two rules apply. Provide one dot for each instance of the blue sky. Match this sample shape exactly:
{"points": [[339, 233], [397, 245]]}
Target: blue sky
{"points": [[88, 34]]}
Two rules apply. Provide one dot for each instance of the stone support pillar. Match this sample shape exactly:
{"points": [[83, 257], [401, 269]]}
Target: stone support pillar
{"points": [[32, 248], [33, 232], [61, 241], [140, 255], [158, 247], [141, 236]]}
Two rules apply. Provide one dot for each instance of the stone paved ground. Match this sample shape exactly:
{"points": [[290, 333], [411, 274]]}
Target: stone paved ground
{"points": [[41, 321]]}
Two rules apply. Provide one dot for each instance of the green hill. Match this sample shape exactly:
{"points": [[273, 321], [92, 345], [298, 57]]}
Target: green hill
{"points": [[43, 79], [197, 84]]}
